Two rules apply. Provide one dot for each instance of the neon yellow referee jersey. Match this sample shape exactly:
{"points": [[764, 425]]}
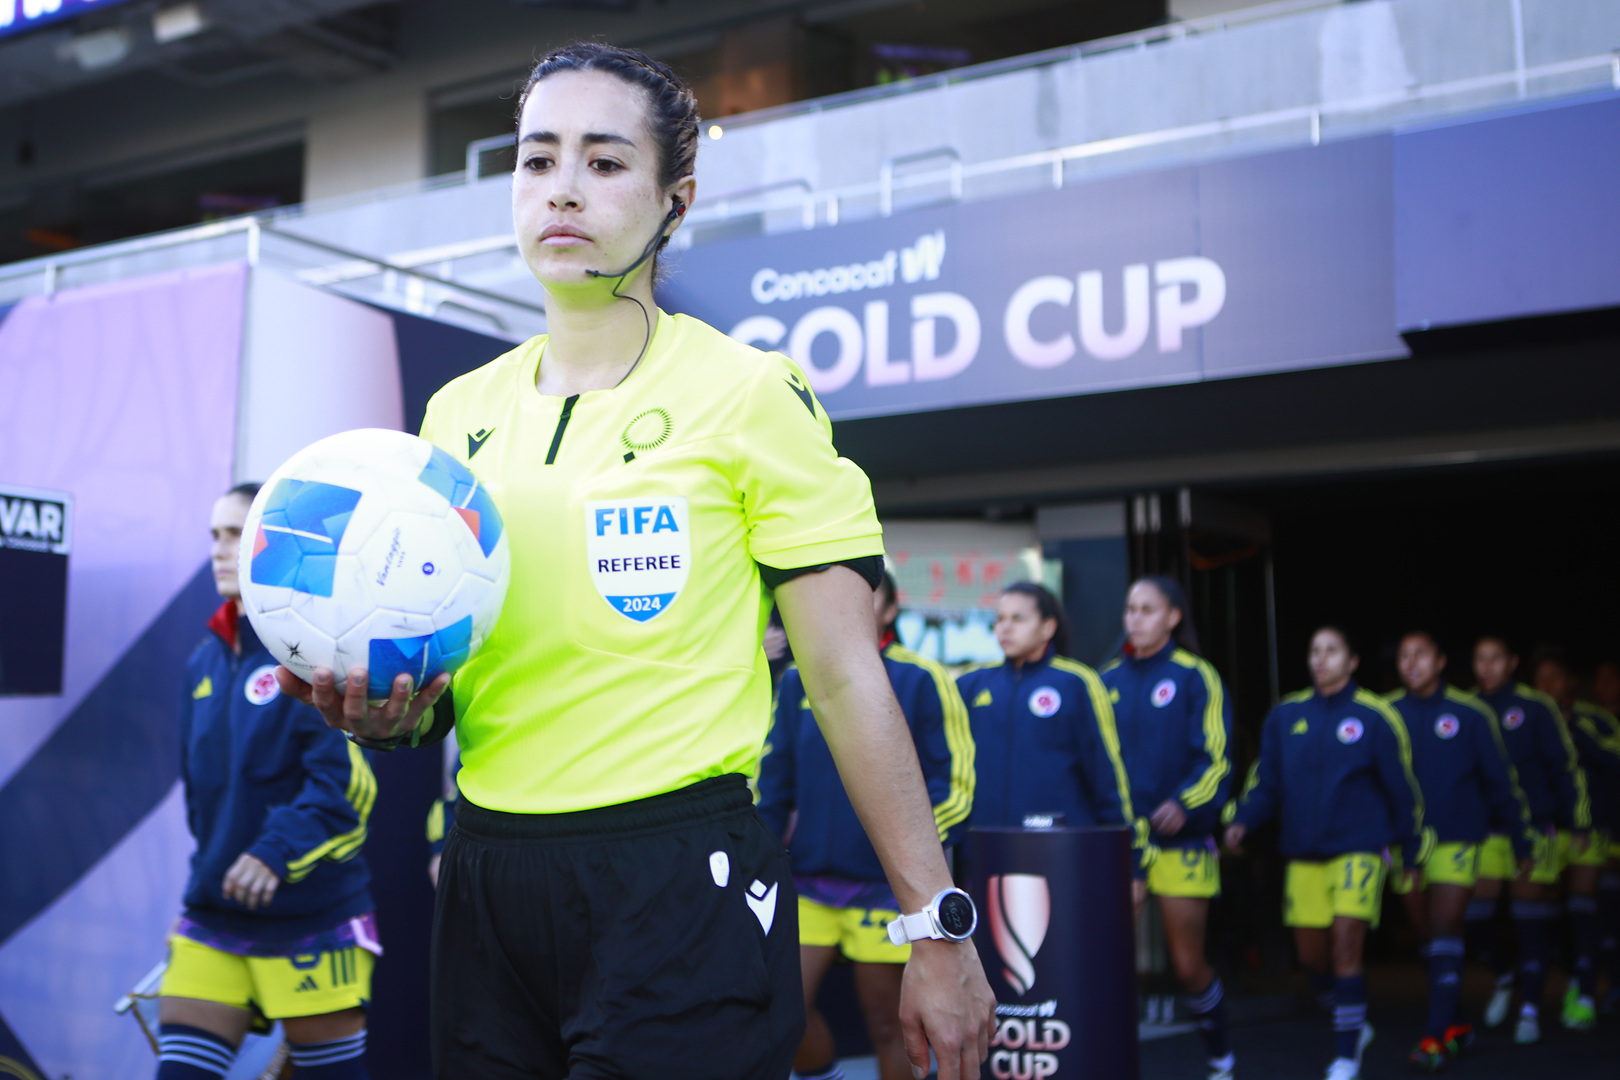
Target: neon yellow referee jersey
{"points": [[627, 660]]}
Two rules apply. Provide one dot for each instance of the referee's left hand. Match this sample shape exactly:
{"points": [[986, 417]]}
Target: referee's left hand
{"points": [[946, 1004], [351, 712]]}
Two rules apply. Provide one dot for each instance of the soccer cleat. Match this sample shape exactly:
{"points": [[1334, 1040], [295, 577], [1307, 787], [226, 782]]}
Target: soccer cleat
{"points": [[1362, 1040], [1223, 1068], [1579, 1013], [1459, 1037], [1343, 1069], [1528, 1029], [1501, 1000], [1428, 1056]]}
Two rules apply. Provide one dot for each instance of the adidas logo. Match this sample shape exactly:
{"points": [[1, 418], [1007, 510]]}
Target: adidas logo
{"points": [[308, 984]]}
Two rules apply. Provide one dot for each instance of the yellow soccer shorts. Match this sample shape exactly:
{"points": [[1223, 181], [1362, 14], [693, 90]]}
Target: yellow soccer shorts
{"points": [[281, 986], [1497, 862], [1348, 885], [862, 934], [1190, 871], [1450, 864], [1596, 852]]}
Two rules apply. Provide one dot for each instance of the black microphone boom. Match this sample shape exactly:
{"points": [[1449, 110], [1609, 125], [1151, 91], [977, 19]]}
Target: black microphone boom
{"points": [[648, 251]]}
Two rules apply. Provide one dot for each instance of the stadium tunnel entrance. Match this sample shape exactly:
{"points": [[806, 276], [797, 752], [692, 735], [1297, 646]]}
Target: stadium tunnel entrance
{"points": [[1472, 488]]}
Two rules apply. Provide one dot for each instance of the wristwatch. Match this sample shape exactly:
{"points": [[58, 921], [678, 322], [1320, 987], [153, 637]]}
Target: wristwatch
{"points": [[950, 916]]}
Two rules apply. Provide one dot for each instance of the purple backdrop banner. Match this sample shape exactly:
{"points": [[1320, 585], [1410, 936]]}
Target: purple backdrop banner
{"points": [[124, 397]]}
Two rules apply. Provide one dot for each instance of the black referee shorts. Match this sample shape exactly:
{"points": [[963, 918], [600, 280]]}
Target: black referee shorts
{"points": [[654, 939]]}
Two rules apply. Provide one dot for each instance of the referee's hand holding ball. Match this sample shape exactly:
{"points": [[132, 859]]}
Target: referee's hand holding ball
{"points": [[349, 710]]}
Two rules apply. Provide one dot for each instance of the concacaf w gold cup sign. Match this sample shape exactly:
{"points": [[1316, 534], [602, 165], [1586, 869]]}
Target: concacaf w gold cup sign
{"points": [[36, 535], [1055, 939]]}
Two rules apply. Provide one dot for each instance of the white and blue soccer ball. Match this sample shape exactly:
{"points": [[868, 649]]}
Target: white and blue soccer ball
{"points": [[373, 548]]}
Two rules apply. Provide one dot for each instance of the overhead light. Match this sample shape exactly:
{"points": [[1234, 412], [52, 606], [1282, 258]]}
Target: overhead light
{"points": [[180, 21], [98, 48], [715, 131]]}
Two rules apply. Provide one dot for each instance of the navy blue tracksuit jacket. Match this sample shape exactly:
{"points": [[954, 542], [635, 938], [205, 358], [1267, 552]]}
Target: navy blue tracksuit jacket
{"points": [[1337, 771], [1045, 742], [1596, 734], [1175, 722], [1542, 752], [798, 773], [265, 775], [1469, 788]]}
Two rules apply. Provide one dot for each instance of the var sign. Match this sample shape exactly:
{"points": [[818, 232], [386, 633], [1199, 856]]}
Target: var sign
{"points": [[36, 535]]}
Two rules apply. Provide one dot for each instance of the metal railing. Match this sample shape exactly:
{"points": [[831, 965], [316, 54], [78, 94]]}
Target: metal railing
{"points": [[824, 206], [420, 282]]}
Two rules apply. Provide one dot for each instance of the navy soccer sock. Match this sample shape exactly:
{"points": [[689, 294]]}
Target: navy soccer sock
{"points": [[1445, 983], [1349, 1013], [1532, 918], [340, 1059], [189, 1053], [1209, 1007], [1584, 930]]}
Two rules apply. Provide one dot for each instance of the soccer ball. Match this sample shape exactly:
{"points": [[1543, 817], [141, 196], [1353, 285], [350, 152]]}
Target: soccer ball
{"points": [[373, 548]]}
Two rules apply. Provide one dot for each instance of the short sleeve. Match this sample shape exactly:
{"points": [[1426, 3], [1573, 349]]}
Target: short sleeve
{"points": [[803, 505]]}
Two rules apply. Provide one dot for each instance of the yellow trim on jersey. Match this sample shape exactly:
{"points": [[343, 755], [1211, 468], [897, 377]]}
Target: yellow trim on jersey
{"points": [[1103, 709], [984, 698], [1483, 707], [1583, 798], [1296, 697], [362, 794], [1404, 743], [204, 688], [958, 739], [1207, 785], [435, 822]]}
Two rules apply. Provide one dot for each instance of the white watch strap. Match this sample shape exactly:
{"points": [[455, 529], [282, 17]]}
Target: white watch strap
{"points": [[909, 928]]}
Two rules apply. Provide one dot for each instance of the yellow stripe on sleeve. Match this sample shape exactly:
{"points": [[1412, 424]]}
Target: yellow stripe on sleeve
{"points": [[1404, 743], [1207, 785], [361, 794], [1583, 798], [958, 802], [1103, 709]]}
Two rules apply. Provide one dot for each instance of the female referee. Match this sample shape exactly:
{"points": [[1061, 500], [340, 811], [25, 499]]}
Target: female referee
{"points": [[844, 903], [1335, 766], [609, 901], [1175, 721], [1044, 741]]}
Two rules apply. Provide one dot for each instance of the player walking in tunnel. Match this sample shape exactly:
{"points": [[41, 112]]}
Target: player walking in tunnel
{"points": [[1335, 767], [1175, 722], [1044, 740], [278, 919], [609, 902], [1468, 786], [845, 905], [1544, 758], [1596, 735]]}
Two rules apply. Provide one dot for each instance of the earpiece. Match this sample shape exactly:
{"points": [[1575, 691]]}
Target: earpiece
{"points": [[680, 207]]}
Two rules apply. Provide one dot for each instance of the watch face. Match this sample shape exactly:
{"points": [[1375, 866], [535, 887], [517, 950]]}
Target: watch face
{"points": [[956, 915]]}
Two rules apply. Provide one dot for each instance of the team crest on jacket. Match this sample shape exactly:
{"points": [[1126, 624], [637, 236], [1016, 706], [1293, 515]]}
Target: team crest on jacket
{"points": [[1045, 701], [1164, 693], [1350, 730], [262, 688], [1447, 727], [1513, 718], [640, 551]]}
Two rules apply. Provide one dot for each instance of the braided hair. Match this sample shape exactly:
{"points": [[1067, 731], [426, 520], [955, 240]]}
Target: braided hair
{"points": [[672, 110]]}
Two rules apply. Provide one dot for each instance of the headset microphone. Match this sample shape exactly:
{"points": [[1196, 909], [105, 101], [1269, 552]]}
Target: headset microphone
{"points": [[652, 245]]}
